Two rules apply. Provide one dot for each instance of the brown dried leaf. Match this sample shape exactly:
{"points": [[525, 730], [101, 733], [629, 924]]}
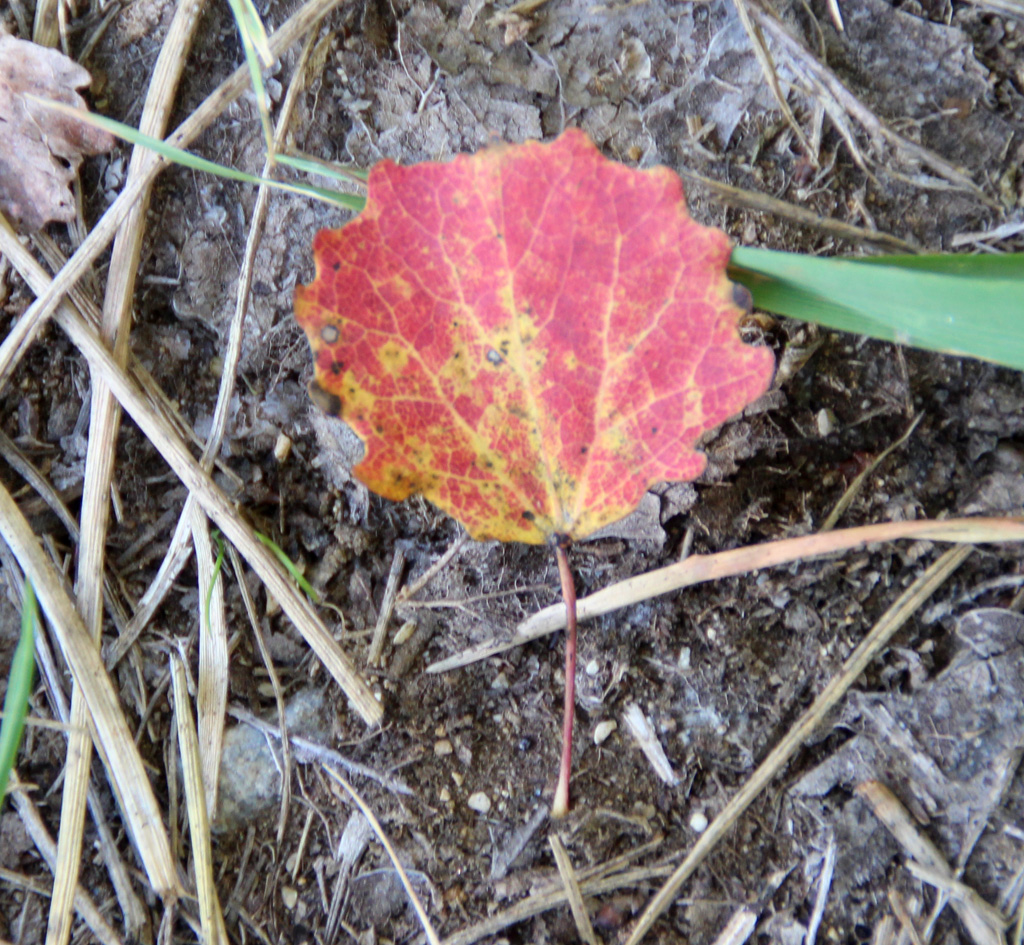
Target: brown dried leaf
{"points": [[41, 149]]}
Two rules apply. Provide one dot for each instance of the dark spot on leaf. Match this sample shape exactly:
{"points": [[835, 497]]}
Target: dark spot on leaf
{"points": [[584, 449], [742, 297], [654, 429], [337, 367], [494, 357], [336, 266], [379, 428], [529, 516]]}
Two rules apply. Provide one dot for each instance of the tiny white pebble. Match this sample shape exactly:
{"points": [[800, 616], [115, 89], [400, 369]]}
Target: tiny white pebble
{"points": [[289, 897], [698, 821], [479, 802], [593, 668], [603, 729], [282, 447], [442, 748], [684, 659]]}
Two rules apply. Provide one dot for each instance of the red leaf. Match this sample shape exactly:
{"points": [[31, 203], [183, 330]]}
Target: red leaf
{"points": [[530, 336]]}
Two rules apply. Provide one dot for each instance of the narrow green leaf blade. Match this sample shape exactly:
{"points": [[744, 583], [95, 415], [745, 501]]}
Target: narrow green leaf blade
{"points": [[19, 688], [969, 305], [196, 163]]}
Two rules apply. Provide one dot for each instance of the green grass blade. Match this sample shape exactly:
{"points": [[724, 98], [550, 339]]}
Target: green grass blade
{"points": [[193, 161], [217, 565], [289, 565], [257, 57], [19, 688], [969, 305], [311, 165]]}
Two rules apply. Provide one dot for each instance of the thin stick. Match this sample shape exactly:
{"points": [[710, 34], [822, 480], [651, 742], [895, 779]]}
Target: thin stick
{"points": [[561, 806]]}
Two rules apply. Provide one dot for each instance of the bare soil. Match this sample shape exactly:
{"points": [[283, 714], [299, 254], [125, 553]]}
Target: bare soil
{"points": [[720, 670]]}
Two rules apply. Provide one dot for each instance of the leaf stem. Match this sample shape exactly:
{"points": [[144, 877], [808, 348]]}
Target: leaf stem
{"points": [[561, 805]]}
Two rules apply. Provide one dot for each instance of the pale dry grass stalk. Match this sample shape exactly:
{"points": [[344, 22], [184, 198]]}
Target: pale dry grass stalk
{"points": [[104, 421], [211, 917], [877, 638], [696, 569], [25, 468], [88, 309]]}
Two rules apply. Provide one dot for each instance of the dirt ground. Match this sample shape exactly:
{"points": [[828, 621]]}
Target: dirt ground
{"points": [[465, 761]]}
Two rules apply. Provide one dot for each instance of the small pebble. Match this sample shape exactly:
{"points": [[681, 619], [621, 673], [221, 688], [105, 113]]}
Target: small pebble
{"points": [[442, 748], [603, 729], [593, 668], [826, 421], [282, 447], [289, 896], [684, 659], [698, 821], [479, 802]]}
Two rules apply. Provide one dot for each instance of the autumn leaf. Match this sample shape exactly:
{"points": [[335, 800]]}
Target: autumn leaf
{"points": [[40, 149], [530, 336]]}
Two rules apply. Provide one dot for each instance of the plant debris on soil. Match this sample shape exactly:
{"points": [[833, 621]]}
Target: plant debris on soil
{"points": [[907, 123]]}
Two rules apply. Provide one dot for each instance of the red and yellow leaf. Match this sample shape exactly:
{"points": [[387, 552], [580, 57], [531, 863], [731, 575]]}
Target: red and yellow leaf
{"points": [[530, 336]]}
